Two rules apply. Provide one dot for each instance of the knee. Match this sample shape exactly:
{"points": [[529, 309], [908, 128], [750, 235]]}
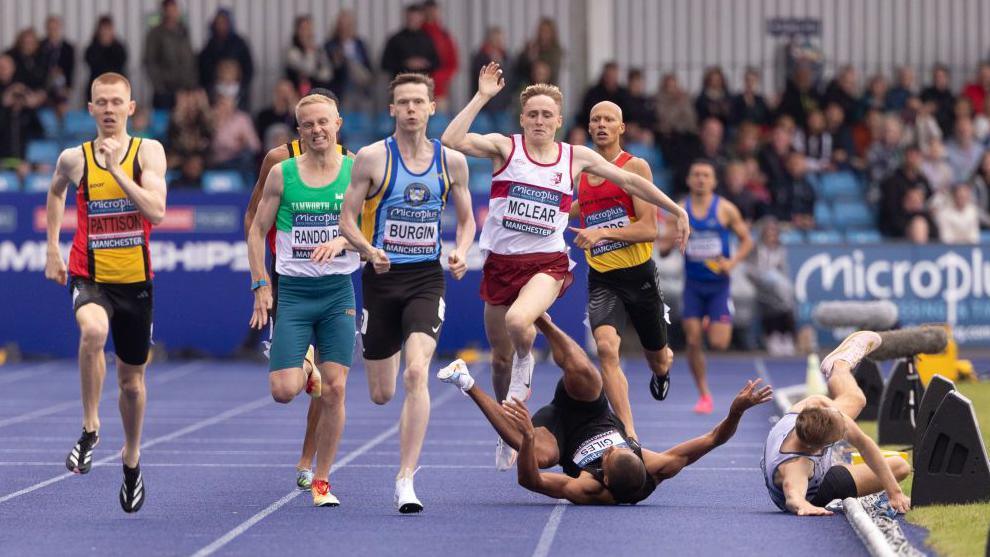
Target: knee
{"points": [[414, 378], [93, 334], [131, 385], [381, 394], [281, 391], [692, 341], [900, 468], [608, 347], [720, 344], [516, 324], [334, 389]]}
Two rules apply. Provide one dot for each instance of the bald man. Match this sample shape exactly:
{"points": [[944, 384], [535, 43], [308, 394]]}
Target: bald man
{"points": [[616, 234]]}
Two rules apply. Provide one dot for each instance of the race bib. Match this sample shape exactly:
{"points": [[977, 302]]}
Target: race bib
{"points": [[532, 210], [114, 223], [592, 449], [703, 246], [309, 230], [411, 231], [613, 217]]}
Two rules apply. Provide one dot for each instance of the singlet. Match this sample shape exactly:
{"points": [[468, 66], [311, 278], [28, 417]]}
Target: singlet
{"points": [[773, 458], [585, 445], [529, 203], [295, 149], [608, 206], [708, 241], [402, 217], [111, 241], [308, 217]]}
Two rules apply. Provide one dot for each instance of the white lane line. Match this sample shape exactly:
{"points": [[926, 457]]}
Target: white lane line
{"points": [[550, 530], [236, 411], [11, 377], [230, 536], [363, 465]]}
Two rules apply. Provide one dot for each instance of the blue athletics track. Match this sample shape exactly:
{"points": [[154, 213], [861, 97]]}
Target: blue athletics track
{"points": [[219, 456]]}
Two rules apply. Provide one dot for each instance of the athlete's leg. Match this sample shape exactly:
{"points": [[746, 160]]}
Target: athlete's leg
{"points": [[660, 360], [309, 440], [719, 335], [867, 481], [381, 377], [534, 299], [133, 397], [498, 339], [582, 380], [616, 385], [695, 354], [546, 445], [94, 327], [838, 365], [330, 416], [419, 348]]}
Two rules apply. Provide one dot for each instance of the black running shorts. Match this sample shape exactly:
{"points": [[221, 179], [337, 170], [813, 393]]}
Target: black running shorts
{"points": [[129, 308], [633, 292], [838, 483], [407, 299]]}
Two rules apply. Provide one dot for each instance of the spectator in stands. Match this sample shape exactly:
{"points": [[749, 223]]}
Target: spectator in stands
{"points": [[750, 105], [226, 44], [756, 183], [748, 141], [447, 54], [306, 64], [773, 158], [282, 109], [7, 71], [105, 53], [608, 88], [675, 111], [139, 124], [936, 167], [734, 189], [492, 49], [794, 200], [190, 173], [708, 145], [714, 99], [981, 123], [767, 269], [940, 95], [235, 144], [169, 57], [920, 121], [228, 82], [843, 91], [843, 147], [875, 95], [352, 71], [956, 215], [639, 111], [59, 57], [19, 123], [815, 143], [981, 189], [411, 49], [886, 152], [27, 55], [867, 132], [977, 90], [544, 47], [905, 88], [190, 129], [963, 151], [800, 95], [919, 230], [277, 134], [895, 188]]}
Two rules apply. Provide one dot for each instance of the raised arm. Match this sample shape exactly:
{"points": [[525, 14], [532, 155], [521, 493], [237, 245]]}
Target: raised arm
{"points": [[456, 136], [643, 230], [67, 169], [587, 160], [460, 196], [272, 158], [362, 178], [263, 220], [875, 460], [149, 195]]}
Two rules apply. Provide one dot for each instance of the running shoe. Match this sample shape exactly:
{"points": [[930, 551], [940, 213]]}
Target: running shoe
{"points": [[322, 496], [704, 405], [405, 496], [505, 456], [132, 490], [660, 385], [304, 478], [80, 460], [522, 378], [852, 350], [457, 373], [314, 381]]}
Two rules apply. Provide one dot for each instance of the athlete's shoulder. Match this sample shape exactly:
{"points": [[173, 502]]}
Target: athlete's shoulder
{"points": [[371, 151], [277, 154], [70, 162], [637, 165], [453, 155], [150, 147]]}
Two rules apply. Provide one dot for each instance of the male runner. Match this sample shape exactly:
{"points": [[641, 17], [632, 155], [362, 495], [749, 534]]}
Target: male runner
{"points": [[707, 264], [402, 184], [617, 236], [526, 265], [797, 460], [302, 198], [294, 148], [120, 194], [602, 464]]}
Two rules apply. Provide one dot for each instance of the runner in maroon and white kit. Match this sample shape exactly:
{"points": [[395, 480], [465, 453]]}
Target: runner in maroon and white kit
{"points": [[526, 266]]}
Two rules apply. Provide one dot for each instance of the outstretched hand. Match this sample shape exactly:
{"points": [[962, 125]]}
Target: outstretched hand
{"points": [[490, 80], [751, 396]]}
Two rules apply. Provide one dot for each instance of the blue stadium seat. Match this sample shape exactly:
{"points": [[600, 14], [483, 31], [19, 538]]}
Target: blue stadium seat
{"points": [[853, 215], [985, 237], [79, 124], [438, 123], [815, 180], [37, 182], [49, 121], [9, 182], [864, 237], [159, 124], [791, 237], [222, 181], [823, 214], [384, 124], [646, 152], [42, 151], [825, 237], [840, 185]]}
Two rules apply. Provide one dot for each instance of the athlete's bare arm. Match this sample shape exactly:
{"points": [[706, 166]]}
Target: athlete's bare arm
{"points": [[68, 170], [460, 196], [367, 175], [149, 195], [643, 230], [793, 475], [587, 160], [264, 218], [583, 490], [733, 221], [273, 157], [878, 464], [667, 464], [493, 146]]}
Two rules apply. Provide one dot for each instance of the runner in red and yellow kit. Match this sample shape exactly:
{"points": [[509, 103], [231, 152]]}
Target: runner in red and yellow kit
{"points": [[120, 195]]}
